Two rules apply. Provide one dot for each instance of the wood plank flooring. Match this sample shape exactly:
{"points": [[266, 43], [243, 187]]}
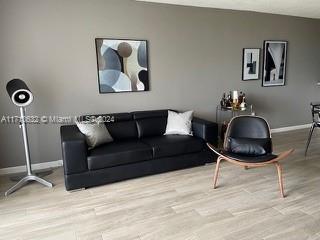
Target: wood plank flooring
{"points": [[176, 205]]}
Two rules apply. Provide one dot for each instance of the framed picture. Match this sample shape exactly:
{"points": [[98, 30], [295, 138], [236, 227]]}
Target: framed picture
{"points": [[250, 64], [122, 65], [274, 63]]}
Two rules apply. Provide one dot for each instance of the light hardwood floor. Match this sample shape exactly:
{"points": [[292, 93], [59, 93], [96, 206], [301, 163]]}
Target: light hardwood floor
{"points": [[177, 205]]}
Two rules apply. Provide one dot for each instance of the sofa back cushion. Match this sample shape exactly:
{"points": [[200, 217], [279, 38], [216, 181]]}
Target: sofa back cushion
{"points": [[123, 130], [121, 126], [151, 123]]}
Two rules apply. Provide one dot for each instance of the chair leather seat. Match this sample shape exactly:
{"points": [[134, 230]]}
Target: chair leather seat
{"points": [[171, 145], [249, 159], [118, 153]]}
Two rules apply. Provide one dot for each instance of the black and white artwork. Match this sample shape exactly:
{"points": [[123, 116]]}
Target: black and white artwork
{"points": [[250, 64], [274, 63], [122, 65]]}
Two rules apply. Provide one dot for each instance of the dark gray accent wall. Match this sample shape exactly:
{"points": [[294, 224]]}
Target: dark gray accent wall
{"points": [[195, 55]]}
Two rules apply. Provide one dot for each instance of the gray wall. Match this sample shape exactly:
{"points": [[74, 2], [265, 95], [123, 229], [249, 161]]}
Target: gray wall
{"points": [[195, 55]]}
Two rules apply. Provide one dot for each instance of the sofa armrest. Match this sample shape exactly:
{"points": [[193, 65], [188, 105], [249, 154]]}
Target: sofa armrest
{"points": [[74, 150], [206, 130]]}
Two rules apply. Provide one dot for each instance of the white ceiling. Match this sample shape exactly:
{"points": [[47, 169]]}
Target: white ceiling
{"points": [[302, 8]]}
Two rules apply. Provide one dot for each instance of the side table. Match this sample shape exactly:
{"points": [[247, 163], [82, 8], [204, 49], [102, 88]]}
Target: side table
{"points": [[225, 114]]}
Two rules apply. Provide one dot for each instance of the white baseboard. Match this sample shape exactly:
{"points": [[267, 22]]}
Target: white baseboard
{"points": [[59, 163], [36, 166], [290, 128]]}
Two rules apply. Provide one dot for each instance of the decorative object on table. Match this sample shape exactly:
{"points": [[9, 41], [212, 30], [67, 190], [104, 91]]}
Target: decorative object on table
{"points": [[226, 100], [243, 105], [179, 123], [248, 144], [274, 63], [250, 64], [234, 100], [21, 96], [315, 111], [122, 65]]}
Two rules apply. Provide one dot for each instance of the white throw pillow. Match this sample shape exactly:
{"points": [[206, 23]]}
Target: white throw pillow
{"points": [[179, 123], [95, 131]]}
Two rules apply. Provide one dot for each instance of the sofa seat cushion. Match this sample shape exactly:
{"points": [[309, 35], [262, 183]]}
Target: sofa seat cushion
{"points": [[171, 145], [118, 153]]}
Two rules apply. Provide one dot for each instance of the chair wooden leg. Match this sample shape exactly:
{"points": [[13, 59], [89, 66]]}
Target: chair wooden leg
{"points": [[216, 172], [279, 169]]}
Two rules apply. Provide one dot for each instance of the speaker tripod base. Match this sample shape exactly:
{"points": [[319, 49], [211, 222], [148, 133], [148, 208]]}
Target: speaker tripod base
{"points": [[42, 174], [27, 179]]}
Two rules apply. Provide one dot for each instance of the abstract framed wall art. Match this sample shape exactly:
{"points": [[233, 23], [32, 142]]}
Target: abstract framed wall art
{"points": [[250, 64], [122, 65], [274, 63]]}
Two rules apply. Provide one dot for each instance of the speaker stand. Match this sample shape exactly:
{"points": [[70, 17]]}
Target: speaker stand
{"points": [[25, 180], [30, 176], [40, 174]]}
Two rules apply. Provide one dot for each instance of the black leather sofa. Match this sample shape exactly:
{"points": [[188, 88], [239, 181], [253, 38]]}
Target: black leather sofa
{"points": [[139, 149]]}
